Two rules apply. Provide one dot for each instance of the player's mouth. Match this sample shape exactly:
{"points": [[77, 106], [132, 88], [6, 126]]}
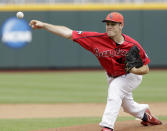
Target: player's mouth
{"points": [[109, 30]]}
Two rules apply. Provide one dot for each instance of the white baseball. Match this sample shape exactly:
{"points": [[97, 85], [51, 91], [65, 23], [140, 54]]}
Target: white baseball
{"points": [[20, 15]]}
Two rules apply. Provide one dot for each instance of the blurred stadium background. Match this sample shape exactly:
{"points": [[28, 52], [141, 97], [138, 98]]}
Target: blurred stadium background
{"points": [[24, 49]]}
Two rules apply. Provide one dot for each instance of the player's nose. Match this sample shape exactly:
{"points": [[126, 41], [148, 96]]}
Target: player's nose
{"points": [[109, 28]]}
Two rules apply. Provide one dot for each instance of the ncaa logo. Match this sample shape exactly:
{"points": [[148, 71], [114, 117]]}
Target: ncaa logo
{"points": [[16, 33]]}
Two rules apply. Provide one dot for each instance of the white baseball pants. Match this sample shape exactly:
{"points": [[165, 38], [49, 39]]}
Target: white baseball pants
{"points": [[120, 94]]}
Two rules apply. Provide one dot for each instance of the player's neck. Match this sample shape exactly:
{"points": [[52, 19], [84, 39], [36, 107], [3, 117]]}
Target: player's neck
{"points": [[118, 39]]}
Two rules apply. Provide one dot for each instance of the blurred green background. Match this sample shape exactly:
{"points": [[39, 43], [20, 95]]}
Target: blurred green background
{"points": [[48, 51]]}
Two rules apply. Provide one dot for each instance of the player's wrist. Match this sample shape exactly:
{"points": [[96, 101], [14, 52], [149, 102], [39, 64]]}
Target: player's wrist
{"points": [[44, 25], [140, 71], [133, 70]]}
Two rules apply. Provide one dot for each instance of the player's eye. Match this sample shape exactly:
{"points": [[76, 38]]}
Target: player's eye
{"points": [[112, 24]]}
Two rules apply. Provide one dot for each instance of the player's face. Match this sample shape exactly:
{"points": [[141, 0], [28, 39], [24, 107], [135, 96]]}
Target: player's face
{"points": [[113, 28]]}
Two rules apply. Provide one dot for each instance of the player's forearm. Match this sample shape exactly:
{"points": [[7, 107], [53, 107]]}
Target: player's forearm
{"points": [[59, 30], [140, 71]]}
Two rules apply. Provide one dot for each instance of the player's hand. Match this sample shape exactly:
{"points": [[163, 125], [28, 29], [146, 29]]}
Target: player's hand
{"points": [[35, 24]]}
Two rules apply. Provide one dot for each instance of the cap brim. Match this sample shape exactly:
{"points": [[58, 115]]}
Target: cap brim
{"points": [[110, 21], [106, 21]]}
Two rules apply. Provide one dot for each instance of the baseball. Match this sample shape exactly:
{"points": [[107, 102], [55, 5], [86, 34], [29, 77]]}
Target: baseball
{"points": [[20, 15]]}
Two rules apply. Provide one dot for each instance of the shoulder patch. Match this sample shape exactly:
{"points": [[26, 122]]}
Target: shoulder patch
{"points": [[146, 55], [79, 32]]}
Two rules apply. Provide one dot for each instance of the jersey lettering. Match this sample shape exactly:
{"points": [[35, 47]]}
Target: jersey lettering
{"points": [[110, 53]]}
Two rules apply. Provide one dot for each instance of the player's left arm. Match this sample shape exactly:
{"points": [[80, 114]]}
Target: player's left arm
{"points": [[141, 70]]}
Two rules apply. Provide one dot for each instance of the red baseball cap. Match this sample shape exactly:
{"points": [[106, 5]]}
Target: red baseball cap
{"points": [[114, 16]]}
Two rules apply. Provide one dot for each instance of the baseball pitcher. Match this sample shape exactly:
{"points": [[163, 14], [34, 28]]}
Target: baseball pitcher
{"points": [[124, 61]]}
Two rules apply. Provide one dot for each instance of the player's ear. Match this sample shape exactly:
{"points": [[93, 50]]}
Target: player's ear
{"points": [[121, 25]]}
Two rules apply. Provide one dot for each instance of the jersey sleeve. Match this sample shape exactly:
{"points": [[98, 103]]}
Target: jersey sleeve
{"points": [[144, 56], [83, 38], [142, 52]]}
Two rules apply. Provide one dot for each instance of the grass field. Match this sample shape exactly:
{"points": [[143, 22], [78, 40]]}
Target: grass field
{"points": [[75, 87], [68, 87]]}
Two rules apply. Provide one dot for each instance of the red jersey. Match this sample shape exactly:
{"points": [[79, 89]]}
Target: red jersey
{"points": [[110, 55]]}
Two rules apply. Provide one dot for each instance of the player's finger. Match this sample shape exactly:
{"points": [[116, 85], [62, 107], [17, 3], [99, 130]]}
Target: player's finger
{"points": [[32, 22], [33, 26]]}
